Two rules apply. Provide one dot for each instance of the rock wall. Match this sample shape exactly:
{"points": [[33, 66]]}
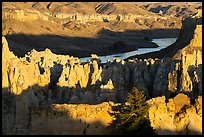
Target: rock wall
{"points": [[24, 15], [103, 18], [65, 18], [176, 116], [33, 15]]}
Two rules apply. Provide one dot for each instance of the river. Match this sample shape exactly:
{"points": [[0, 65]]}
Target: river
{"points": [[162, 43]]}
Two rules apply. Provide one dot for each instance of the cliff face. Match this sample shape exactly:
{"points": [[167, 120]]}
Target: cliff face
{"points": [[189, 40], [44, 78], [176, 116], [64, 17]]}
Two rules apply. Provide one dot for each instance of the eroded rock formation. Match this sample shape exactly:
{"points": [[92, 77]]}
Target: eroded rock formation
{"points": [[78, 119], [177, 116], [44, 78]]}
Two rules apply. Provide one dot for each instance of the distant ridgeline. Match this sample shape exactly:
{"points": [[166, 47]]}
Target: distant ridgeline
{"points": [[33, 15]]}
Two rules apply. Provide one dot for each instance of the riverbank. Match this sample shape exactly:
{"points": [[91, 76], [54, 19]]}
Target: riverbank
{"points": [[78, 38], [161, 42], [105, 43]]}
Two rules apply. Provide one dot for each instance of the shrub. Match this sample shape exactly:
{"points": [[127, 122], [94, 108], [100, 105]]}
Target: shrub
{"points": [[134, 114]]}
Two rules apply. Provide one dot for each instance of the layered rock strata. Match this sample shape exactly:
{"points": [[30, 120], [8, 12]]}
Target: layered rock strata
{"points": [[66, 18]]}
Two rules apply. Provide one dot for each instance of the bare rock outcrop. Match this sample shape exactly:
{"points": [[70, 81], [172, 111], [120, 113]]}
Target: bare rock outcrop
{"points": [[191, 55], [24, 15], [6, 55], [185, 57], [32, 14], [69, 119], [177, 116]]}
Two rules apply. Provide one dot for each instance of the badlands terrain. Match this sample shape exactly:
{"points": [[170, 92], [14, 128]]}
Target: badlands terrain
{"points": [[84, 28], [56, 94]]}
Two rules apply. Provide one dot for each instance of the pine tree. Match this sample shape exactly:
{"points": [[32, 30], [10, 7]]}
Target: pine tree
{"points": [[134, 114]]}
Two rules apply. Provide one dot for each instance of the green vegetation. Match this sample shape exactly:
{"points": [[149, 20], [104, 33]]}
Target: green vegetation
{"points": [[134, 116]]}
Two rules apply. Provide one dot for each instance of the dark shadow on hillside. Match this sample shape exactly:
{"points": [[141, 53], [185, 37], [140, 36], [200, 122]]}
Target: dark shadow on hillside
{"points": [[105, 43], [158, 8], [185, 36], [29, 114], [195, 77], [141, 34], [24, 115]]}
